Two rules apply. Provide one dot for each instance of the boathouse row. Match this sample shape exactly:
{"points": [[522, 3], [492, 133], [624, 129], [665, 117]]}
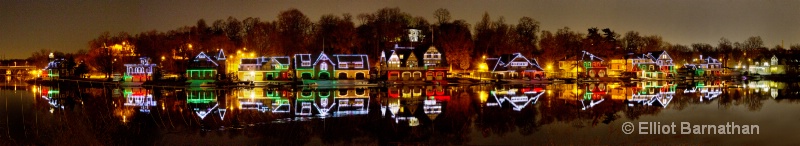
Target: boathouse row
{"points": [[514, 66], [338, 66], [413, 64]]}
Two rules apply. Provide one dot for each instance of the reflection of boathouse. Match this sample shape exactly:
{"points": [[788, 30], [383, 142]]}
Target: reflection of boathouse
{"points": [[264, 100], [653, 93], [518, 98], [708, 90], [403, 103], [139, 97], [205, 101], [140, 72]]}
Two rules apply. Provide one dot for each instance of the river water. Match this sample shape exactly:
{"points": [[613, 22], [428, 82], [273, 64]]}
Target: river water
{"points": [[576, 114]]}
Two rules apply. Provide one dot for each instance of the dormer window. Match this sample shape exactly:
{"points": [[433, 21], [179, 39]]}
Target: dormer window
{"points": [[518, 64], [359, 65], [342, 64], [306, 63]]}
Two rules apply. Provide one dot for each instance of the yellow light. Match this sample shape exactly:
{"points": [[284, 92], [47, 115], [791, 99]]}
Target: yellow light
{"points": [[163, 58], [252, 55], [483, 96], [190, 45], [117, 47], [238, 51], [483, 67]]}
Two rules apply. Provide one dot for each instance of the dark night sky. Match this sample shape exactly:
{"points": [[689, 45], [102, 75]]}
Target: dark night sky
{"points": [[26, 26]]}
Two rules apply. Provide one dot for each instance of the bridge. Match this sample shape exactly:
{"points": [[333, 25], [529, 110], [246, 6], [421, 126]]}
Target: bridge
{"points": [[16, 70]]}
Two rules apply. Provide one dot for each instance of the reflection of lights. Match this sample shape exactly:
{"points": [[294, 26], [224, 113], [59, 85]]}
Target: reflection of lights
{"points": [[483, 96]]}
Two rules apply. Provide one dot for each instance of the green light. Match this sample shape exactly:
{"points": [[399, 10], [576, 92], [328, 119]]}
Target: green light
{"points": [[127, 92], [587, 96], [201, 97], [305, 99], [199, 100], [302, 94]]}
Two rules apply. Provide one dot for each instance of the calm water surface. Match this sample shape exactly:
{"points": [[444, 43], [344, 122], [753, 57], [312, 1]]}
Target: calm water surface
{"points": [[577, 114]]}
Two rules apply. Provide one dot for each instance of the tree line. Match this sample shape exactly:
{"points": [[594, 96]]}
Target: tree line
{"points": [[464, 45]]}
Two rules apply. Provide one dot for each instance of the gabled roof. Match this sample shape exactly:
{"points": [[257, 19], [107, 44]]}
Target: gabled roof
{"points": [[383, 55], [505, 60], [283, 60], [203, 57], [657, 54], [536, 65], [323, 56], [495, 63], [298, 61], [55, 64], [221, 55], [710, 60], [432, 49], [590, 57], [516, 57], [351, 58]]}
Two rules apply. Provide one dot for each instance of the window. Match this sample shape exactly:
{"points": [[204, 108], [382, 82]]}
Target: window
{"points": [[518, 64], [306, 63], [323, 66], [342, 64], [359, 65]]}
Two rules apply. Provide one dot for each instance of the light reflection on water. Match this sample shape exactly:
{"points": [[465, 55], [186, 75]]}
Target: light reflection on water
{"points": [[504, 114]]}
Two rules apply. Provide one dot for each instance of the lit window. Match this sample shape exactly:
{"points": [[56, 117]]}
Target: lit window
{"points": [[342, 64], [306, 63], [359, 65], [518, 64], [323, 66]]}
